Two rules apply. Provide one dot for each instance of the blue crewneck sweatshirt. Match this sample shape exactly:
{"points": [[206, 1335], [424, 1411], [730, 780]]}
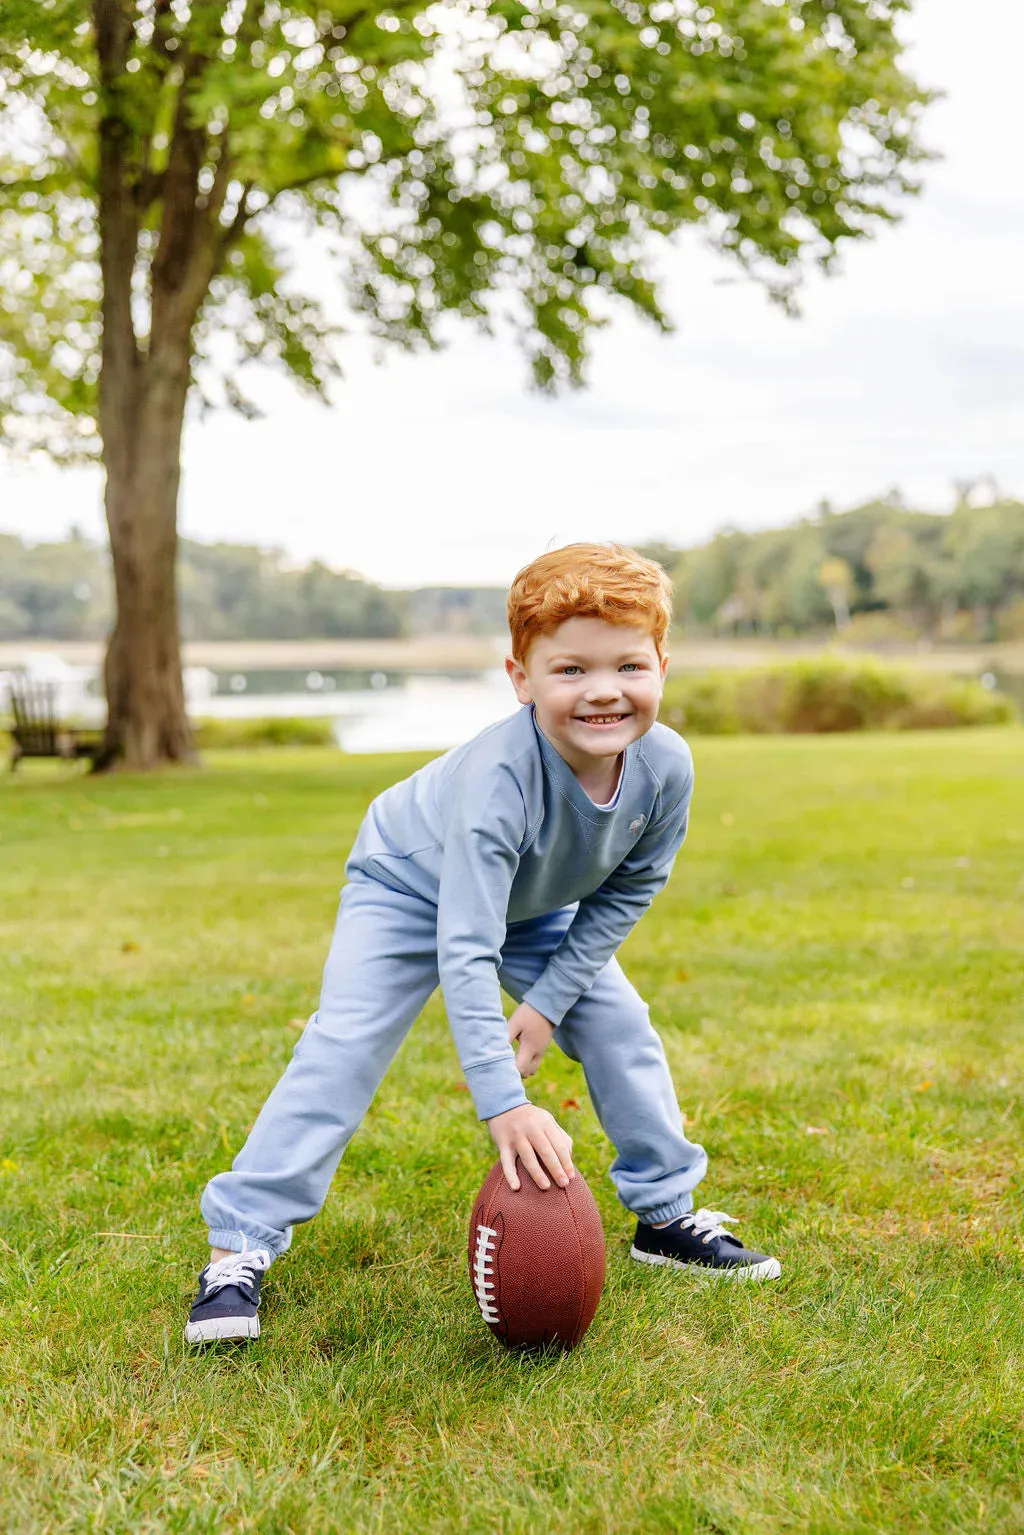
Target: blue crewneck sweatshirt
{"points": [[499, 831]]}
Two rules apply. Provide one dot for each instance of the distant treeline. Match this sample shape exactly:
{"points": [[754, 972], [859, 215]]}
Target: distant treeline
{"points": [[228, 592], [882, 570]]}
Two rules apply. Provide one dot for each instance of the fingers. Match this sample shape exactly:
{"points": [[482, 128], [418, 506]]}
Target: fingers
{"points": [[541, 1145], [528, 1157], [541, 1158], [553, 1162], [563, 1146], [527, 1060], [508, 1166], [530, 1053]]}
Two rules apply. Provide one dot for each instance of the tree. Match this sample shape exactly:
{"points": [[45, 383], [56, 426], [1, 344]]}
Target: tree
{"points": [[985, 549], [499, 161], [706, 577], [907, 572], [836, 578], [803, 597], [848, 535], [60, 590], [232, 591]]}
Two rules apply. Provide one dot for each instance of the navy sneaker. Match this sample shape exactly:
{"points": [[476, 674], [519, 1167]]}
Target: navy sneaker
{"points": [[229, 1298], [700, 1241]]}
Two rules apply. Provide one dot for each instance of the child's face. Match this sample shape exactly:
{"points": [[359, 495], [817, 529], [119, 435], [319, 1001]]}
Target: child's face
{"points": [[596, 685]]}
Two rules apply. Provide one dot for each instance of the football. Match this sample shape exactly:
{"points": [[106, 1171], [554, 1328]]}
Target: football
{"points": [[536, 1260]]}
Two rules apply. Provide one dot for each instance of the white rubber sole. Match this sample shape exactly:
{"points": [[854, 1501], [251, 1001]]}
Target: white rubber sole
{"points": [[771, 1268], [222, 1328]]}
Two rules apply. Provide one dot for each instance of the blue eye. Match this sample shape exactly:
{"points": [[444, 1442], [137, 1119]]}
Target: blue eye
{"points": [[626, 666]]}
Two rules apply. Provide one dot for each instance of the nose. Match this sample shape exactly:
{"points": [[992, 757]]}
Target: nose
{"points": [[602, 688]]}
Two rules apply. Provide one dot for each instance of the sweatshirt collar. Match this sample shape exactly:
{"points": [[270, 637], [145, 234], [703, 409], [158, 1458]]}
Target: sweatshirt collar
{"points": [[570, 785]]}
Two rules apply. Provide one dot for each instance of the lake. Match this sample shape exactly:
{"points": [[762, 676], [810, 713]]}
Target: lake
{"points": [[393, 710], [385, 710], [371, 711]]}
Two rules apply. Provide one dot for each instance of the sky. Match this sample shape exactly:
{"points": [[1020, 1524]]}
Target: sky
{"points": [[904, 370]]}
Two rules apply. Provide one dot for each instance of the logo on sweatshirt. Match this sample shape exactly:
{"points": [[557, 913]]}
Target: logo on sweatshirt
{"points": [[635, 826]]}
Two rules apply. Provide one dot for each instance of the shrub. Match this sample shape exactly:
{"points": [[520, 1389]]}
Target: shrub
{"points": [[881, 626], [1010, 622], [237, 735], [826, 694], [705, 704]]}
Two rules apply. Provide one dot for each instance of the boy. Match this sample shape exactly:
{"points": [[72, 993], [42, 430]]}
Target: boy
{"points": [[520, 860]]}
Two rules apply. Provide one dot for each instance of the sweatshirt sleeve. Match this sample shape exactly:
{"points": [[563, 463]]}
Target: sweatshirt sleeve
{"points": [[607, 917], [485, 832]]}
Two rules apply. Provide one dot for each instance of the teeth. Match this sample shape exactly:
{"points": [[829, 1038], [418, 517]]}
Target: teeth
{"points": [[603, 719]]}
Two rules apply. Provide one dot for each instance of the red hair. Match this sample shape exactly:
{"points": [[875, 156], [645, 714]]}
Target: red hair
{"points": [[607, 581]]}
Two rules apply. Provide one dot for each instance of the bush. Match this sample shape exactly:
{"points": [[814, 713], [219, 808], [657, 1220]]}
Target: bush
{"points": [[1010, 622], [826, 694], [238, 735], [880, 627]]}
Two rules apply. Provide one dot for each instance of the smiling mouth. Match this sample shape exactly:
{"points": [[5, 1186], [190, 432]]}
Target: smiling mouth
{"points": [[601, 719]]}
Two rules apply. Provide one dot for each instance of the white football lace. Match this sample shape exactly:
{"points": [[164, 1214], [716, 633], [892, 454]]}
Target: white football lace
{"points": [[238, 1268], [707, 1224], [483, 1273]]}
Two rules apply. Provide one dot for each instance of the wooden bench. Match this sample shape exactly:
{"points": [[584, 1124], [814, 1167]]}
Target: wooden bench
{"points": [[38, 732]]}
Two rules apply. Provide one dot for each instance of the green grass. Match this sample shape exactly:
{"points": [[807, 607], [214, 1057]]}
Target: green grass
{"points": [[836, 969]]}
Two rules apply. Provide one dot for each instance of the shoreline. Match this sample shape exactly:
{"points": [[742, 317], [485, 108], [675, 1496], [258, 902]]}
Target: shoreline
{"points": [[477, 653], [440, 652]]}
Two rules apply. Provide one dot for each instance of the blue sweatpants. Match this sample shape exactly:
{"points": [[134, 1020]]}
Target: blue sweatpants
{"points": [[380, 972]]}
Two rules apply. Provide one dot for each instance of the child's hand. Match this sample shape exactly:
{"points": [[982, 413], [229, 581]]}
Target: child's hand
{"points": [[535, 1137], [533, 1031]]}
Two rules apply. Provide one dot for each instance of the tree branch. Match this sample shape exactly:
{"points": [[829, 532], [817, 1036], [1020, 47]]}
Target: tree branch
{"points": [[237, 225], [299, 184], [161, 12], [212, 202], [182, 225], [119, 225]]}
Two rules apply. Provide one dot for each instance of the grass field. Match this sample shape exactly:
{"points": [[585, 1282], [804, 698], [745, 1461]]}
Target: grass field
{"points": [[837, 970]]}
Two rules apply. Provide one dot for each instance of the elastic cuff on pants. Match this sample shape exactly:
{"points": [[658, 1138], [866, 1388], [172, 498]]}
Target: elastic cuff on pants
{"points": [[235, 1241], [681, 1206]]}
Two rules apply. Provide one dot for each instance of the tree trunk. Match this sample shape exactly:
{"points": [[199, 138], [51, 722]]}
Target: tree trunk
{"points": [[840, 607], [146, 721], [142, 409], [143, 388], [984, 622]]}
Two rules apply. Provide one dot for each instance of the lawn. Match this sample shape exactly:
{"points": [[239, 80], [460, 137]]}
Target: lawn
{"points": [[837, 970]]}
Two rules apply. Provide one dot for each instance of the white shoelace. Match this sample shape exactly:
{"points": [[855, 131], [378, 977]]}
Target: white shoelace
{"points": [[237, 1268], [707, 1224]]}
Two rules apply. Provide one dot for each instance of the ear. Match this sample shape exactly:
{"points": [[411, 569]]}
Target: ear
{"points": [[520, 681], [664, 667]]}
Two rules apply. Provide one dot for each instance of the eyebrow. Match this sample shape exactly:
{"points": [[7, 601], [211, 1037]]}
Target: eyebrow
{"points": [[629, 655]]}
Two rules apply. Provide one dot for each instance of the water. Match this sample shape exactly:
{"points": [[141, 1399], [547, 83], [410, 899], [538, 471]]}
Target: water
{"points": [[370, 711], [300, 681], [381, 712]]}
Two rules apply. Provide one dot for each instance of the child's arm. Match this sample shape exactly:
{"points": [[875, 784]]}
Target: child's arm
{"points": [[486, 827]]}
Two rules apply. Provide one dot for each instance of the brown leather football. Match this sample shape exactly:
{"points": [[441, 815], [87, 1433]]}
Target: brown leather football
{"points": [[536, 1259]]}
